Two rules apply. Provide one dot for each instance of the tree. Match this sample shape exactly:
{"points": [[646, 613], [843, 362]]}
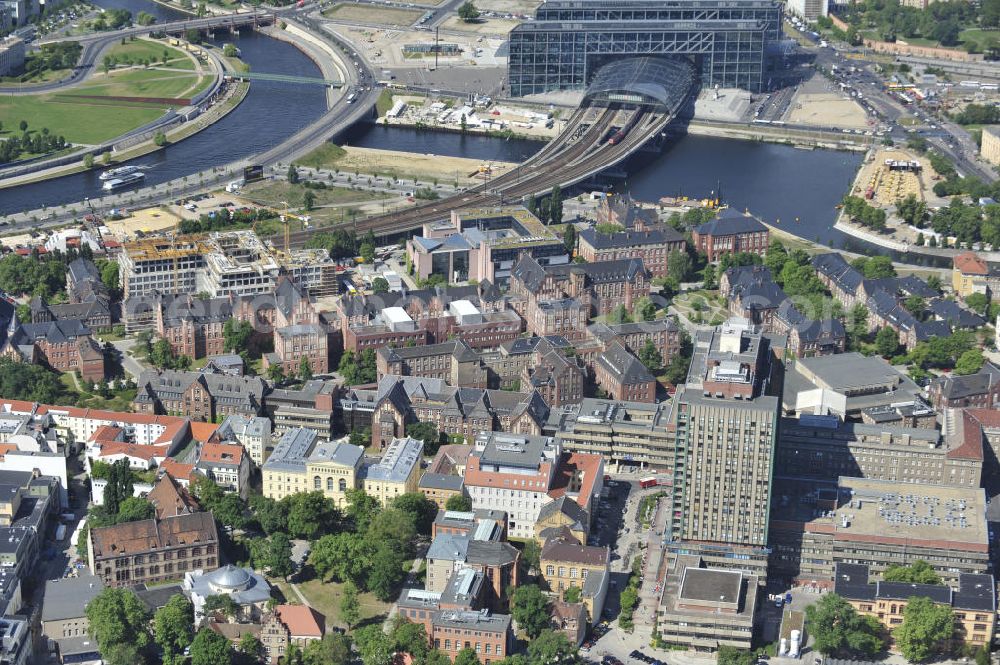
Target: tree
{"points": [[934, 282], [119, 487], [134, 509], [458, 502], [173, 626], [466, 656], [109, 274], [552, 647], [88, 161], [309, 199], [572, 594], [727, 655], [926, 628], [305, 369], [270, 514], [645, 310], [530, 608], [293, 175], [380, 285], [709, 280], [569, 238], [678, 266], [367, 252], [373, 646], [220, 604], [343, 557], [915, 305], [251, 647], [386, 572], [650, 356], [977, 302], [350, 608], [468, 12], [273, 554], [426, 432], [160, 139], [419, 508], [236, 335], [333, 649], [118, 617], [886, 342], [919, 572], [210, 648], [969, 362], [531, 556], [310, 514], [276, 372], [838, 630], [361, 508], [619, 315]]}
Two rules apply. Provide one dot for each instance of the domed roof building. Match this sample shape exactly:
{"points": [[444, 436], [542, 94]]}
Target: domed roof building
{"points": [[248, 590]]}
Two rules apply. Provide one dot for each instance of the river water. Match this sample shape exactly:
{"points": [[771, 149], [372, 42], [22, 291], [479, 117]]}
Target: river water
{"points": [[797, 189], [271, 112]]}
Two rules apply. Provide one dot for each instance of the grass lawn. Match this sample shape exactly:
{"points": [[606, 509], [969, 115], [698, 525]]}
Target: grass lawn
{"points": [[325, 598], [384, 103], [91, 121], [273, 194], [323, 157], [365, 13], [143, 49], [44, 76], [712, 309], [120, 400]]}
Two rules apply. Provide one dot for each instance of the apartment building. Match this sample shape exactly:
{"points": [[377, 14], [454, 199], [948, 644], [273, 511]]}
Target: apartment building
{"points": [[976, 391], [290, 625], [153, 551], [972, 274], [731, 232], [727, 426], [565, 563], [227, 464], [251, 432], [973, 602], [520, 474]]}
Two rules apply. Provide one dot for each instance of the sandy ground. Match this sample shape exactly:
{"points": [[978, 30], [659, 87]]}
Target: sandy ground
{"points": [[20, 240], [827, 109], [371, 14], [508, 6], [409, 165], [519, 120], [149, 220], [489, 26]]}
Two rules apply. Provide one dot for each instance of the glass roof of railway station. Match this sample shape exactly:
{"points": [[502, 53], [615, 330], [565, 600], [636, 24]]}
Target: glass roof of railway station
{"points": [[656, 81]]}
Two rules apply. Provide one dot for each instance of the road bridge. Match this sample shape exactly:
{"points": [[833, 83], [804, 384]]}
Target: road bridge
{"points": [[283, 78], [629, 102]]}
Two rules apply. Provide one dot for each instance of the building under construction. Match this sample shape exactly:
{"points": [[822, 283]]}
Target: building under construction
{"points": [[220, 264]]}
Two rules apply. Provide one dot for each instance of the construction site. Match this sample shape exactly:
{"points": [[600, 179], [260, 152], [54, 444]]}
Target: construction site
{"points": [[220, 264]]}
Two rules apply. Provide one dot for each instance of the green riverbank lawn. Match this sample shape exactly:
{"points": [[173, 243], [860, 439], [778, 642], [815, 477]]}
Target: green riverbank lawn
{"points": [[92, 120]]}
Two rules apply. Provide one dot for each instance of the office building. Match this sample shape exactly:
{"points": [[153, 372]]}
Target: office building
{"points": [[12, 53], [624, 434], [878, 523], [727, 427], [653, 246], [730, 233], [990, 148], [706, 608], [301, 463], [396, 473], [567, 42], [565, 563], [251, 432], [808, 10]]}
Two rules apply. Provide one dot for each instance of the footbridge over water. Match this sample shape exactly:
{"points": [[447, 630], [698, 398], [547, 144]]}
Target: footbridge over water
{"points": [[629, 102]]}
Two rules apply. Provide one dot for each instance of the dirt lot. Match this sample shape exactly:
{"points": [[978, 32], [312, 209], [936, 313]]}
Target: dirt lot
{"points": [[369, 14], [490, 26], [405, 165], [508, 6], [827, 109]]}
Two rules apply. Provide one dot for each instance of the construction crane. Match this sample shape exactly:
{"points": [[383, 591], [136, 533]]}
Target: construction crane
{"points": [[285, 216]]}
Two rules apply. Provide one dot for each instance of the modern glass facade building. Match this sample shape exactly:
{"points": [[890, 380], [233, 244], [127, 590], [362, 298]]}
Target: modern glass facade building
{"points": [[570, 39]]}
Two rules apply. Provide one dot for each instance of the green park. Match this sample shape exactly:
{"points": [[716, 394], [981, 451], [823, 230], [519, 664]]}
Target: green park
{"points": [[110, 102]]}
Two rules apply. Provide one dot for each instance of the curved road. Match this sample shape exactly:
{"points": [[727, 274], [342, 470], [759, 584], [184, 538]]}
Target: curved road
{"points": [[94, 45]]}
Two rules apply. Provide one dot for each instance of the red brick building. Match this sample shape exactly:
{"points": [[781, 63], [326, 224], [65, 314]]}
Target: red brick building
{"points": [[730, 233], [601, 286], [623, 377], [64, 345], [653, 246]]}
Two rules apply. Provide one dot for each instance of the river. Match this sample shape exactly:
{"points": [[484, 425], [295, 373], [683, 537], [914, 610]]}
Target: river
{"points": [[271, 112]]}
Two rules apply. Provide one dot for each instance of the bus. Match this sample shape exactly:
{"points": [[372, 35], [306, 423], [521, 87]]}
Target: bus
{"points": [[649, 481]]}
